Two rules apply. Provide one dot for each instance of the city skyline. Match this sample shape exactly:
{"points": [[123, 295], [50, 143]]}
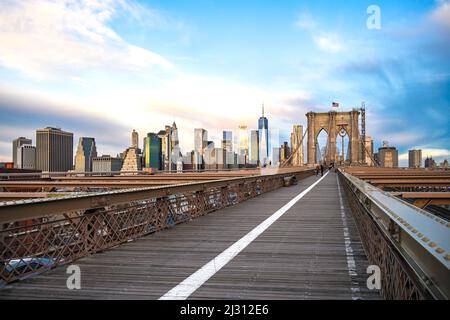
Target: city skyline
{"points": [[220, 150], [164, 62], [85, 151], [169, 139]]}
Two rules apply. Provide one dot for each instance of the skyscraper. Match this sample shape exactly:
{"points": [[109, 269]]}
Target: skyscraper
{"points": [[243, 142], [54, 150], [285, 152], [152, 151], [220, 158], [106, 163], [175, 151], [297, 145], [132, 160], [164, 135], [430, 163], [368, 152], [388, 156], [170, 149], [209, 156], [200, 144], [200, 140], [26, 157], [135, 139], [254, 147], [275, 156], [85, 152], [415, 158], [263, 129], [227, 141], [15, 145], [188, 160], [214, 158]]}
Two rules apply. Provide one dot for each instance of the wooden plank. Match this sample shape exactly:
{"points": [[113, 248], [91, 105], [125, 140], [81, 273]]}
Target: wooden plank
{"points": [[425, 195], [301, 256]]}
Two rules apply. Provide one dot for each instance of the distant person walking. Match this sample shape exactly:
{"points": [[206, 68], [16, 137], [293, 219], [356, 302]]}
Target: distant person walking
{"points": [[321, 169], [317, 170]]}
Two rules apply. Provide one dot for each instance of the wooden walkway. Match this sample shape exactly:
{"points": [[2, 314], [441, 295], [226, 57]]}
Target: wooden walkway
{"points": [[303, 255]]}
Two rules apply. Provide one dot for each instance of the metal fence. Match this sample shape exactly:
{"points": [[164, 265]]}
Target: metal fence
{"points": [[414, 263], [37, 235]]}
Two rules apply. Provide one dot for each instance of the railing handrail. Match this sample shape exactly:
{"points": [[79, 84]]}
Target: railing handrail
{"points": [[422, 239], [142, 172], [30, 208], [65, 229]]}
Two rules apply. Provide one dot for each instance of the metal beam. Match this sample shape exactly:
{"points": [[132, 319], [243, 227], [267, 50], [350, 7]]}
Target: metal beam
{"points": [[24, 209], [420, 238], [424, 199], [68, 228]]}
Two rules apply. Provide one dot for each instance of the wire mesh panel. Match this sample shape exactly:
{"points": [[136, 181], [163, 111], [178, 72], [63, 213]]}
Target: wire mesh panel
{"points": [[398, 282], [37, 244]]}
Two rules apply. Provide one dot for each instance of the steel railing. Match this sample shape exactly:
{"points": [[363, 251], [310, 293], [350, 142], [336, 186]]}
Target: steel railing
{"points": [[410, 245], [39, 234], [46, 174]]}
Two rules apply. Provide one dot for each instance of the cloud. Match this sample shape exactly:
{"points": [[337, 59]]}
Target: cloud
{"points": [[379, 72], [62, 39], [214, 103], [306, 21], [25, 111], [326, 41], [402, 138], [428, 152], [441, 15], [150, 17], [5, 151], [329, 42], [438, 155], [54, 39]]}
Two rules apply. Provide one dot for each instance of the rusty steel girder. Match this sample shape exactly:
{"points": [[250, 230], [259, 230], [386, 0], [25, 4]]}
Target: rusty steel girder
{"points": [[63, 230]]}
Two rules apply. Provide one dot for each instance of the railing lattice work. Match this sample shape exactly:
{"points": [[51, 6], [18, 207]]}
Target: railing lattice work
{"points": [[44, 241], [395, 284]]}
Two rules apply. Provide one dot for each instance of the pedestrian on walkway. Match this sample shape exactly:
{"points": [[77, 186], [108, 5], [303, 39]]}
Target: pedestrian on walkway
{"points": [[317, 170], [321, 169]]}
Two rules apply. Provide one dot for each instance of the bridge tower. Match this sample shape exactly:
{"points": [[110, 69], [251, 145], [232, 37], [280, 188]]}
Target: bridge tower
{"points": [[333, 123], [363, 132]]}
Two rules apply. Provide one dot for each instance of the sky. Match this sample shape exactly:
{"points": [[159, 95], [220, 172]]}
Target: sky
{"points": [[103, 68]]}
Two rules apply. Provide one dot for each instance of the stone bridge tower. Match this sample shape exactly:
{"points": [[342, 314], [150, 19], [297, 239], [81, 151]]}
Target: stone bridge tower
{"points": [[334, 123]]}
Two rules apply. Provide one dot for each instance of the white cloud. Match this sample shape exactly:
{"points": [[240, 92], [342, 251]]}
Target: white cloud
{"points": [[329, 42], [441, 15], [437, 154], [326, 41], [402, 138], [213, 103], [5, 151], [306, 21], [45, 39], [428, 152]]}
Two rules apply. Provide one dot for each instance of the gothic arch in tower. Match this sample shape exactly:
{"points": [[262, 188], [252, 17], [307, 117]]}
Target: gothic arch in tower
{"points": [[333, 122]]}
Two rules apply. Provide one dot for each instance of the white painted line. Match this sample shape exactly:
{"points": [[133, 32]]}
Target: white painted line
{"points": [[188, 286], [351, 264]]}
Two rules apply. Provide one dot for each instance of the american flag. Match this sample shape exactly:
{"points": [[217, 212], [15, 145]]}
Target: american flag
{"points": [[334, 104]]}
